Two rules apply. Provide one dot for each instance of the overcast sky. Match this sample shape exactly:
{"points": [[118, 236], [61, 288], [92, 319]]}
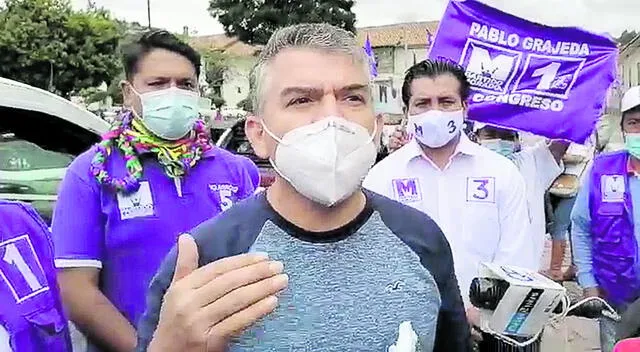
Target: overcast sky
{"points": [[612, 16]]}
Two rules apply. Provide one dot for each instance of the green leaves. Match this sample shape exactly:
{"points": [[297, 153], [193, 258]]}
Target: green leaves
{"points": [[253, 21], [45, 43]]}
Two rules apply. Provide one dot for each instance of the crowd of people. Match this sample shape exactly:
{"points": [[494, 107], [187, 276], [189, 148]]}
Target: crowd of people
{"points": [[163, 242]]}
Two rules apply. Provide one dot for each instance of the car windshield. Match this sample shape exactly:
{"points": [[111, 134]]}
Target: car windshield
{"points": [[21, 155]]}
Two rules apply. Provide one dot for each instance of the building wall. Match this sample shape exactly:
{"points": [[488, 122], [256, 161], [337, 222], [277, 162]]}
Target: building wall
{"points": [[630, 67], [236, 81], [393, 62], [628, 76]]}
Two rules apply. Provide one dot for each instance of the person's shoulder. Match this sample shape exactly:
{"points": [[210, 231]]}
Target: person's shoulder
{"points": [[494, 163], [412, 226], [389, 167], [235, 162], [233, 231], [12, 204], [81, 165], [15, 214], [610, 155], [17, 209]]}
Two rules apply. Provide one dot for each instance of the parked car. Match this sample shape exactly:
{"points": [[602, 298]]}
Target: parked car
{"points": [[235, 140], [40, 134]]}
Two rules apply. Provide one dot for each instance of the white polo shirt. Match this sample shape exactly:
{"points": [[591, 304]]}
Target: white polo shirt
{"points": [[539, 169], [478, 201]]}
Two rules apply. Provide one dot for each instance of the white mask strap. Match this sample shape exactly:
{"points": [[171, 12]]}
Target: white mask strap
{"points": [[266, 129]]}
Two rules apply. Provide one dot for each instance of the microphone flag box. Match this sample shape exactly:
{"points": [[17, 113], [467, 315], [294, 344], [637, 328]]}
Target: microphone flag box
{"points": [[527, 304]]}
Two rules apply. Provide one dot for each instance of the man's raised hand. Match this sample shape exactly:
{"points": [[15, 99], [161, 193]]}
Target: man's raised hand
{"points": [[204, 307]]}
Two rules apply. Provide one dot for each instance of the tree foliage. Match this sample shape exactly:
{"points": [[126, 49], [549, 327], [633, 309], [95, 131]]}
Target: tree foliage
{"points": [[45, 43], [216, 64], [626, 37], [254, 21], [246, 105]]}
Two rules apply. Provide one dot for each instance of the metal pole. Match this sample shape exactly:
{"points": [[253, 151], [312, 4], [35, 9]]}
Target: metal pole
{"points": [[149, 12]]}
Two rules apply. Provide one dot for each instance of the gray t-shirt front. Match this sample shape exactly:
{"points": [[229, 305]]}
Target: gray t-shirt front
{"points": [[349, 289]]}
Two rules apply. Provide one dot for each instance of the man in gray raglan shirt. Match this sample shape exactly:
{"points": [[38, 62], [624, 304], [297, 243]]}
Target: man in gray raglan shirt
{"points": [[363, 273]]}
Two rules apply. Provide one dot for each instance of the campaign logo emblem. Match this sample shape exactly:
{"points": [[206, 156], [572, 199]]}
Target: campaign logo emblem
{"points": [[136, 204], [20, 268], [407, 190], [551, 76], [613, 188], [490, 68]]}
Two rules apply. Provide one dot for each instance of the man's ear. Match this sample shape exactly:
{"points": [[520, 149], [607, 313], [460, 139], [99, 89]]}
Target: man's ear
{"points": [[128, 96], [465, 107], [257, 136], [377, 138]]}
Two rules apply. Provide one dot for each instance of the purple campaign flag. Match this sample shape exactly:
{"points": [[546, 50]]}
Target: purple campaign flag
{"points": [[373, 66], [551, 81]]}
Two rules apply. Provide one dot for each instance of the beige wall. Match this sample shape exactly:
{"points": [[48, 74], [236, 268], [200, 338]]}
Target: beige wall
{"points": [[630, 67], [628, 75], [236, 80], [391, 75]]}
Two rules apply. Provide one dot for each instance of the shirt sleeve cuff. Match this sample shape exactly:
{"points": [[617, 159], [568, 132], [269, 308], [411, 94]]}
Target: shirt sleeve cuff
{"points": [[78, 263], [587, 280]]}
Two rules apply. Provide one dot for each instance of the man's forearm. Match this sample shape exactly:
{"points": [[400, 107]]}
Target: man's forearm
{"points": [[582, 256], [103, 324]]}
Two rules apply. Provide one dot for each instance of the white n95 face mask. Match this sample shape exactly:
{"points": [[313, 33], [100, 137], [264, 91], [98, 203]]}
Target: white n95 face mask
{"points": [[325, 161], [436, 128]]}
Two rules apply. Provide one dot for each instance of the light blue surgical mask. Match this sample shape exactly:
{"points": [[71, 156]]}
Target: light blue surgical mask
{"points": [[169, 113], [632, 144], [505, 148]]}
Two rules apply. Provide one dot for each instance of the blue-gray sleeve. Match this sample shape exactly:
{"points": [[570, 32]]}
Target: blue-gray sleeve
{"points": [[581, 235], [426, 239], [155, 294], [239, 235]]}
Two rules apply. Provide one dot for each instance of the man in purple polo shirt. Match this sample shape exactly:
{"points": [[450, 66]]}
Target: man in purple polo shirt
{"points": [[605, 222], [123, 203], [31, 316]]}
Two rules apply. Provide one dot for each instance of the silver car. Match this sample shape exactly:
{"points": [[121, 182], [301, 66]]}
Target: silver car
{"points": [[40, 134]]}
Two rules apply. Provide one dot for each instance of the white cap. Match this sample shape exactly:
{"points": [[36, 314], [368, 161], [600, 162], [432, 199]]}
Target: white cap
{"points": [[631, 99]]}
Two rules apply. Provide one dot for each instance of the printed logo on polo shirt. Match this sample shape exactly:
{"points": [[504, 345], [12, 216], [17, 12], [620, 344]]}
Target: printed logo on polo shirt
{"points": [[407, 190], [137, 204], [395, 286], [224, 194], [613, 188]]}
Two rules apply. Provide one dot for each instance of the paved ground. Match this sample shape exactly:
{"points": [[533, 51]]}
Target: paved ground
{"points": [[575, 334]]}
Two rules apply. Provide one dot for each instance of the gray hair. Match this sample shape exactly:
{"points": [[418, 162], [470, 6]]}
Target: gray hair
{"points": [[321, 36]]}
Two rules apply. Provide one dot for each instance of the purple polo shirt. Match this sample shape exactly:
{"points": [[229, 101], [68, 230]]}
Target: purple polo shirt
{"points": [[128, 236], [30, 307]]}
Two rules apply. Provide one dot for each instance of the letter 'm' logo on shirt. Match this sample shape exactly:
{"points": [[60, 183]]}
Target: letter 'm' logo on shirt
{"points": [[613, 188], [137, 204], [407, 190]]}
